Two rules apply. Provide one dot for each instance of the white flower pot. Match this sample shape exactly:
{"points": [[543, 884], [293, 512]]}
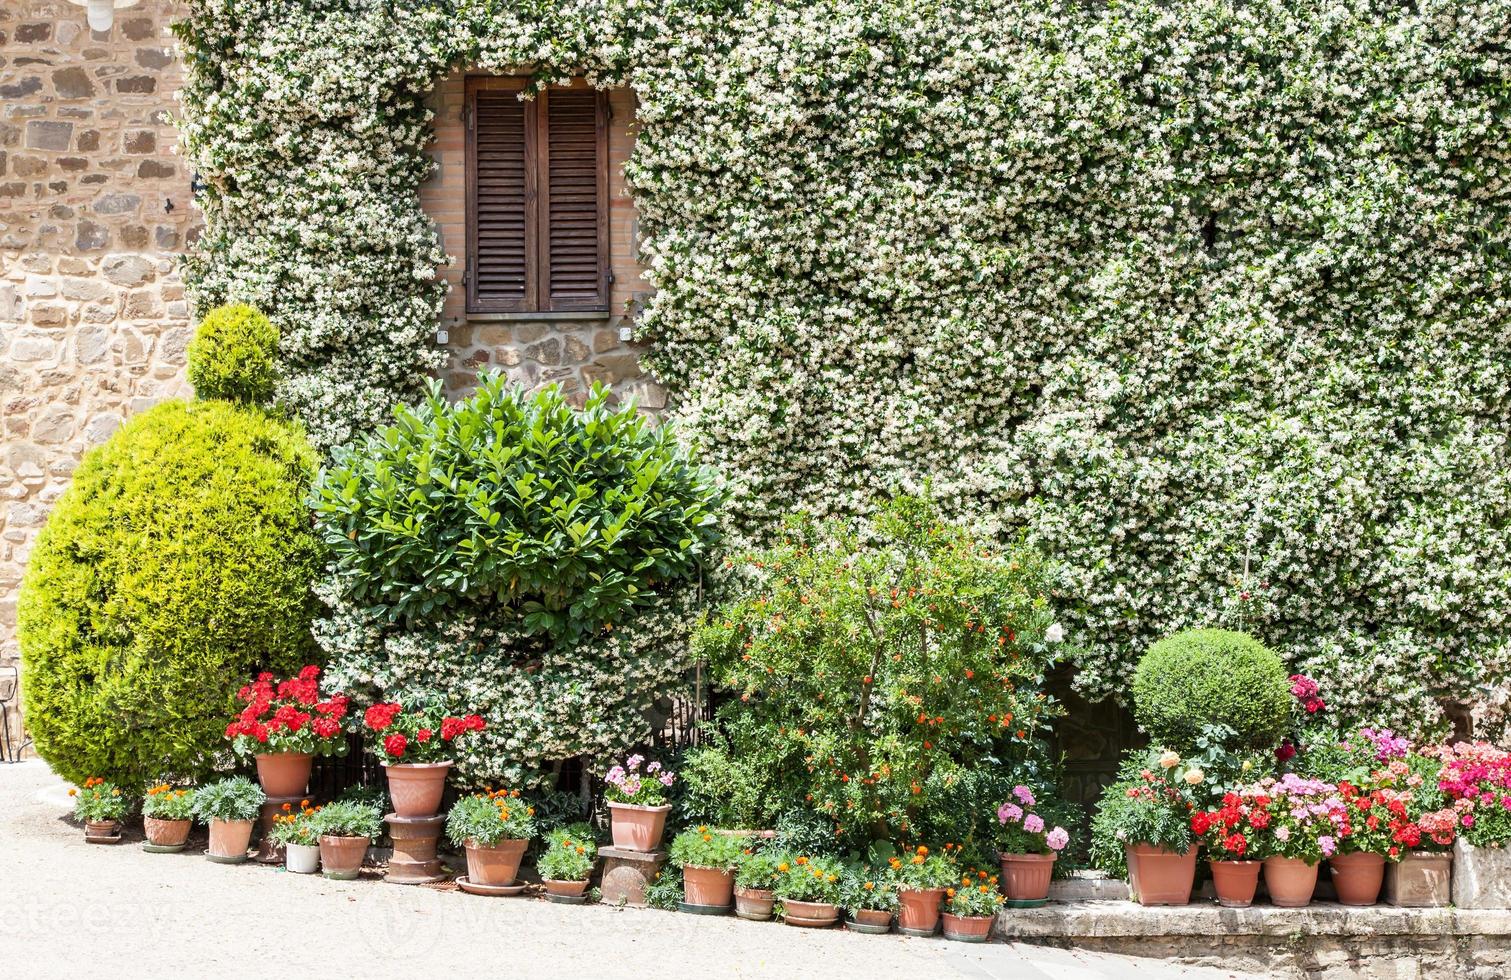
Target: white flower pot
{"points": [[302, 859]]}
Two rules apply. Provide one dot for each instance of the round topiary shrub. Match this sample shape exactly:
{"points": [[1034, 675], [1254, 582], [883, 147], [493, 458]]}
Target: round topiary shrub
{"points": [[234, 355], [178, 564], [1212, 677]]}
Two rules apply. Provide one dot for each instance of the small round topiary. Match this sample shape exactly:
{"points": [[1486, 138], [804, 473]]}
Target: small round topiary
{"points": [[1212, 677], [234, 356], [176, 566]]}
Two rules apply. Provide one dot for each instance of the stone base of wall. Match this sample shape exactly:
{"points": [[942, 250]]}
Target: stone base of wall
{"points": [[1323, 940]]}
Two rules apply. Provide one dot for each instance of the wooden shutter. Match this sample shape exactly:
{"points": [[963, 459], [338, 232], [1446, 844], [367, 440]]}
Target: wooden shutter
{"points": [[573, 206], [537, 198]]}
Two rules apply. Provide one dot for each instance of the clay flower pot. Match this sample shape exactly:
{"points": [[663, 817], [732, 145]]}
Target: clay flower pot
{"points": [[874, 921], [341, 857], [284, 773], [1025, 877], [496, 865], [967, 928], [712, 887], [229, 840], [754, 904], [102, 830], [1290, 881], [166, 833], [1357, 877], [809, 915], [1235, 882], [1159, 876], [918, 910], [565, 889], [1421, 879], [301, 859], [416, 787], [637, 828]]}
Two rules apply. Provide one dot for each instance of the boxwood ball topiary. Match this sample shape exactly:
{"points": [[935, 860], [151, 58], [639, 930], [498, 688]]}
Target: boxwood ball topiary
{"points": [[234, 355], [1212, 677], [177, 565]]}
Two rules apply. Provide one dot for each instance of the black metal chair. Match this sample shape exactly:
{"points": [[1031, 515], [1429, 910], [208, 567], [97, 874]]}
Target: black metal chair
{"points": [[11, 743]]}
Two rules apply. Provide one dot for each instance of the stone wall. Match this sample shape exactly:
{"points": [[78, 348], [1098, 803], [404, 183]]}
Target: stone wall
{"points": [[94, 206], [573, 350]]}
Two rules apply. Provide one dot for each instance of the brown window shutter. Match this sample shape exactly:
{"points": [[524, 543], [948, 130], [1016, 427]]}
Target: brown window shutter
{"points": [[502, 265], [573, 205]]}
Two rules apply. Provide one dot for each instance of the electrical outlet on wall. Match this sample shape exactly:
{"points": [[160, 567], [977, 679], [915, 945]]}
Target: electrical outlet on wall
{"points": [[626, 334], [441, 336]]}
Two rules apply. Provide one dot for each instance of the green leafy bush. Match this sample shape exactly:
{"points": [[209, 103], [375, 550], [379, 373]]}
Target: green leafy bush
{"points": [[876, 667], [558, 519], [1149, 803], [176, 566], [1190, 682], [518, 558], [233, 798], [756, 869], [347, 818], [234, 356], [99, 800], [166, 802], [809, 879]]}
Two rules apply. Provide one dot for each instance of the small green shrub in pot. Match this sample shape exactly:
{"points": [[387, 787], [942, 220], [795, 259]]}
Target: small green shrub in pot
{"points": [[348, 819], [972, 900], [1191, 681], [922, 870], [1150, 803], [234, 356], [756, 869], [568, 857], [234, 798], [868, 890], [166, 802], [300, 827], [703, 847]]}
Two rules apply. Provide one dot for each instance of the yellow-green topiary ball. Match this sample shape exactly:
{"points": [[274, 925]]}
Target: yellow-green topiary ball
{"points": [[1207, 677], [234, 356], [176, 566]]}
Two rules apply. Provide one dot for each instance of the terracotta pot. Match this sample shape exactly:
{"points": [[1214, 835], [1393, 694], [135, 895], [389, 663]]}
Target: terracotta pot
{"points": [[229, 839], [1421, 879], [754, 904], [341, 857], [1025, 877], [967, 928], [1235, 882], [637, 828], [1357, 877], [301, 859], [166, 833], [1159, 876], [811, 915], [566, 889], [877, 918], [707, 886], [918, 909], [1290, 881], [284, 773], [416, 788], [102, 828], [496, 865]]}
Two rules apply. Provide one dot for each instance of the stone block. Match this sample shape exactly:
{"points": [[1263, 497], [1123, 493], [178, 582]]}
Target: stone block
{"points": [[29, 85], [117, 203], [72, 83], [127, 270], [627, 874], [1481, 876], [47, 134], [140, 141]]}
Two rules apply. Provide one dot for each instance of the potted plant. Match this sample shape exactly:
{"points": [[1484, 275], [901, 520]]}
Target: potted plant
{"points": [[346, 828], [1234, 836], [1146, 815], [1422, 834], [415, 746], [755, 874], [922, 879], [637, 803], [707, 860], [494, 828], [1476, 778], [284, 724], [167, 815], [567, 863], [1306, 821], [100, 805], [970, 907], [870, 899], [298, 833], [229, 806], [809, 890], [1357, 865], [1026, 850]]}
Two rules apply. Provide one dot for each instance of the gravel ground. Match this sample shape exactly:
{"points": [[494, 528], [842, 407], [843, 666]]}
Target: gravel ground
{"points": [[72, 908]]}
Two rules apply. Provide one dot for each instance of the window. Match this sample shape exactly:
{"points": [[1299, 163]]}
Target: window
{"points": [[537, 196]]}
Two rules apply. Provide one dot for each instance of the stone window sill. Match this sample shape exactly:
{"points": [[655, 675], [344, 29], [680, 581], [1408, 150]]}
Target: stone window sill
{"points": [[562, 316]]}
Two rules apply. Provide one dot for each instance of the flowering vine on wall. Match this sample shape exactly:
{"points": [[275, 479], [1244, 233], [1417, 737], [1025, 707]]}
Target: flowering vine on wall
{"points": [[1210, 297]]}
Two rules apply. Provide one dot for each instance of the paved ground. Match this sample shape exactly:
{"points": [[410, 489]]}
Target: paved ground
{"points": [[68, 908]]}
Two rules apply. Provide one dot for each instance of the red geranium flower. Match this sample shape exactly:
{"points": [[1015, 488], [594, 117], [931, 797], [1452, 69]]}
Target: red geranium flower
{"points": [[395, 745]]}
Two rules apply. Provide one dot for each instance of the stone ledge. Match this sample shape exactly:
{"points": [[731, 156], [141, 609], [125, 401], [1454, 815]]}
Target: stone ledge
{"points": [[1108, 920]]}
